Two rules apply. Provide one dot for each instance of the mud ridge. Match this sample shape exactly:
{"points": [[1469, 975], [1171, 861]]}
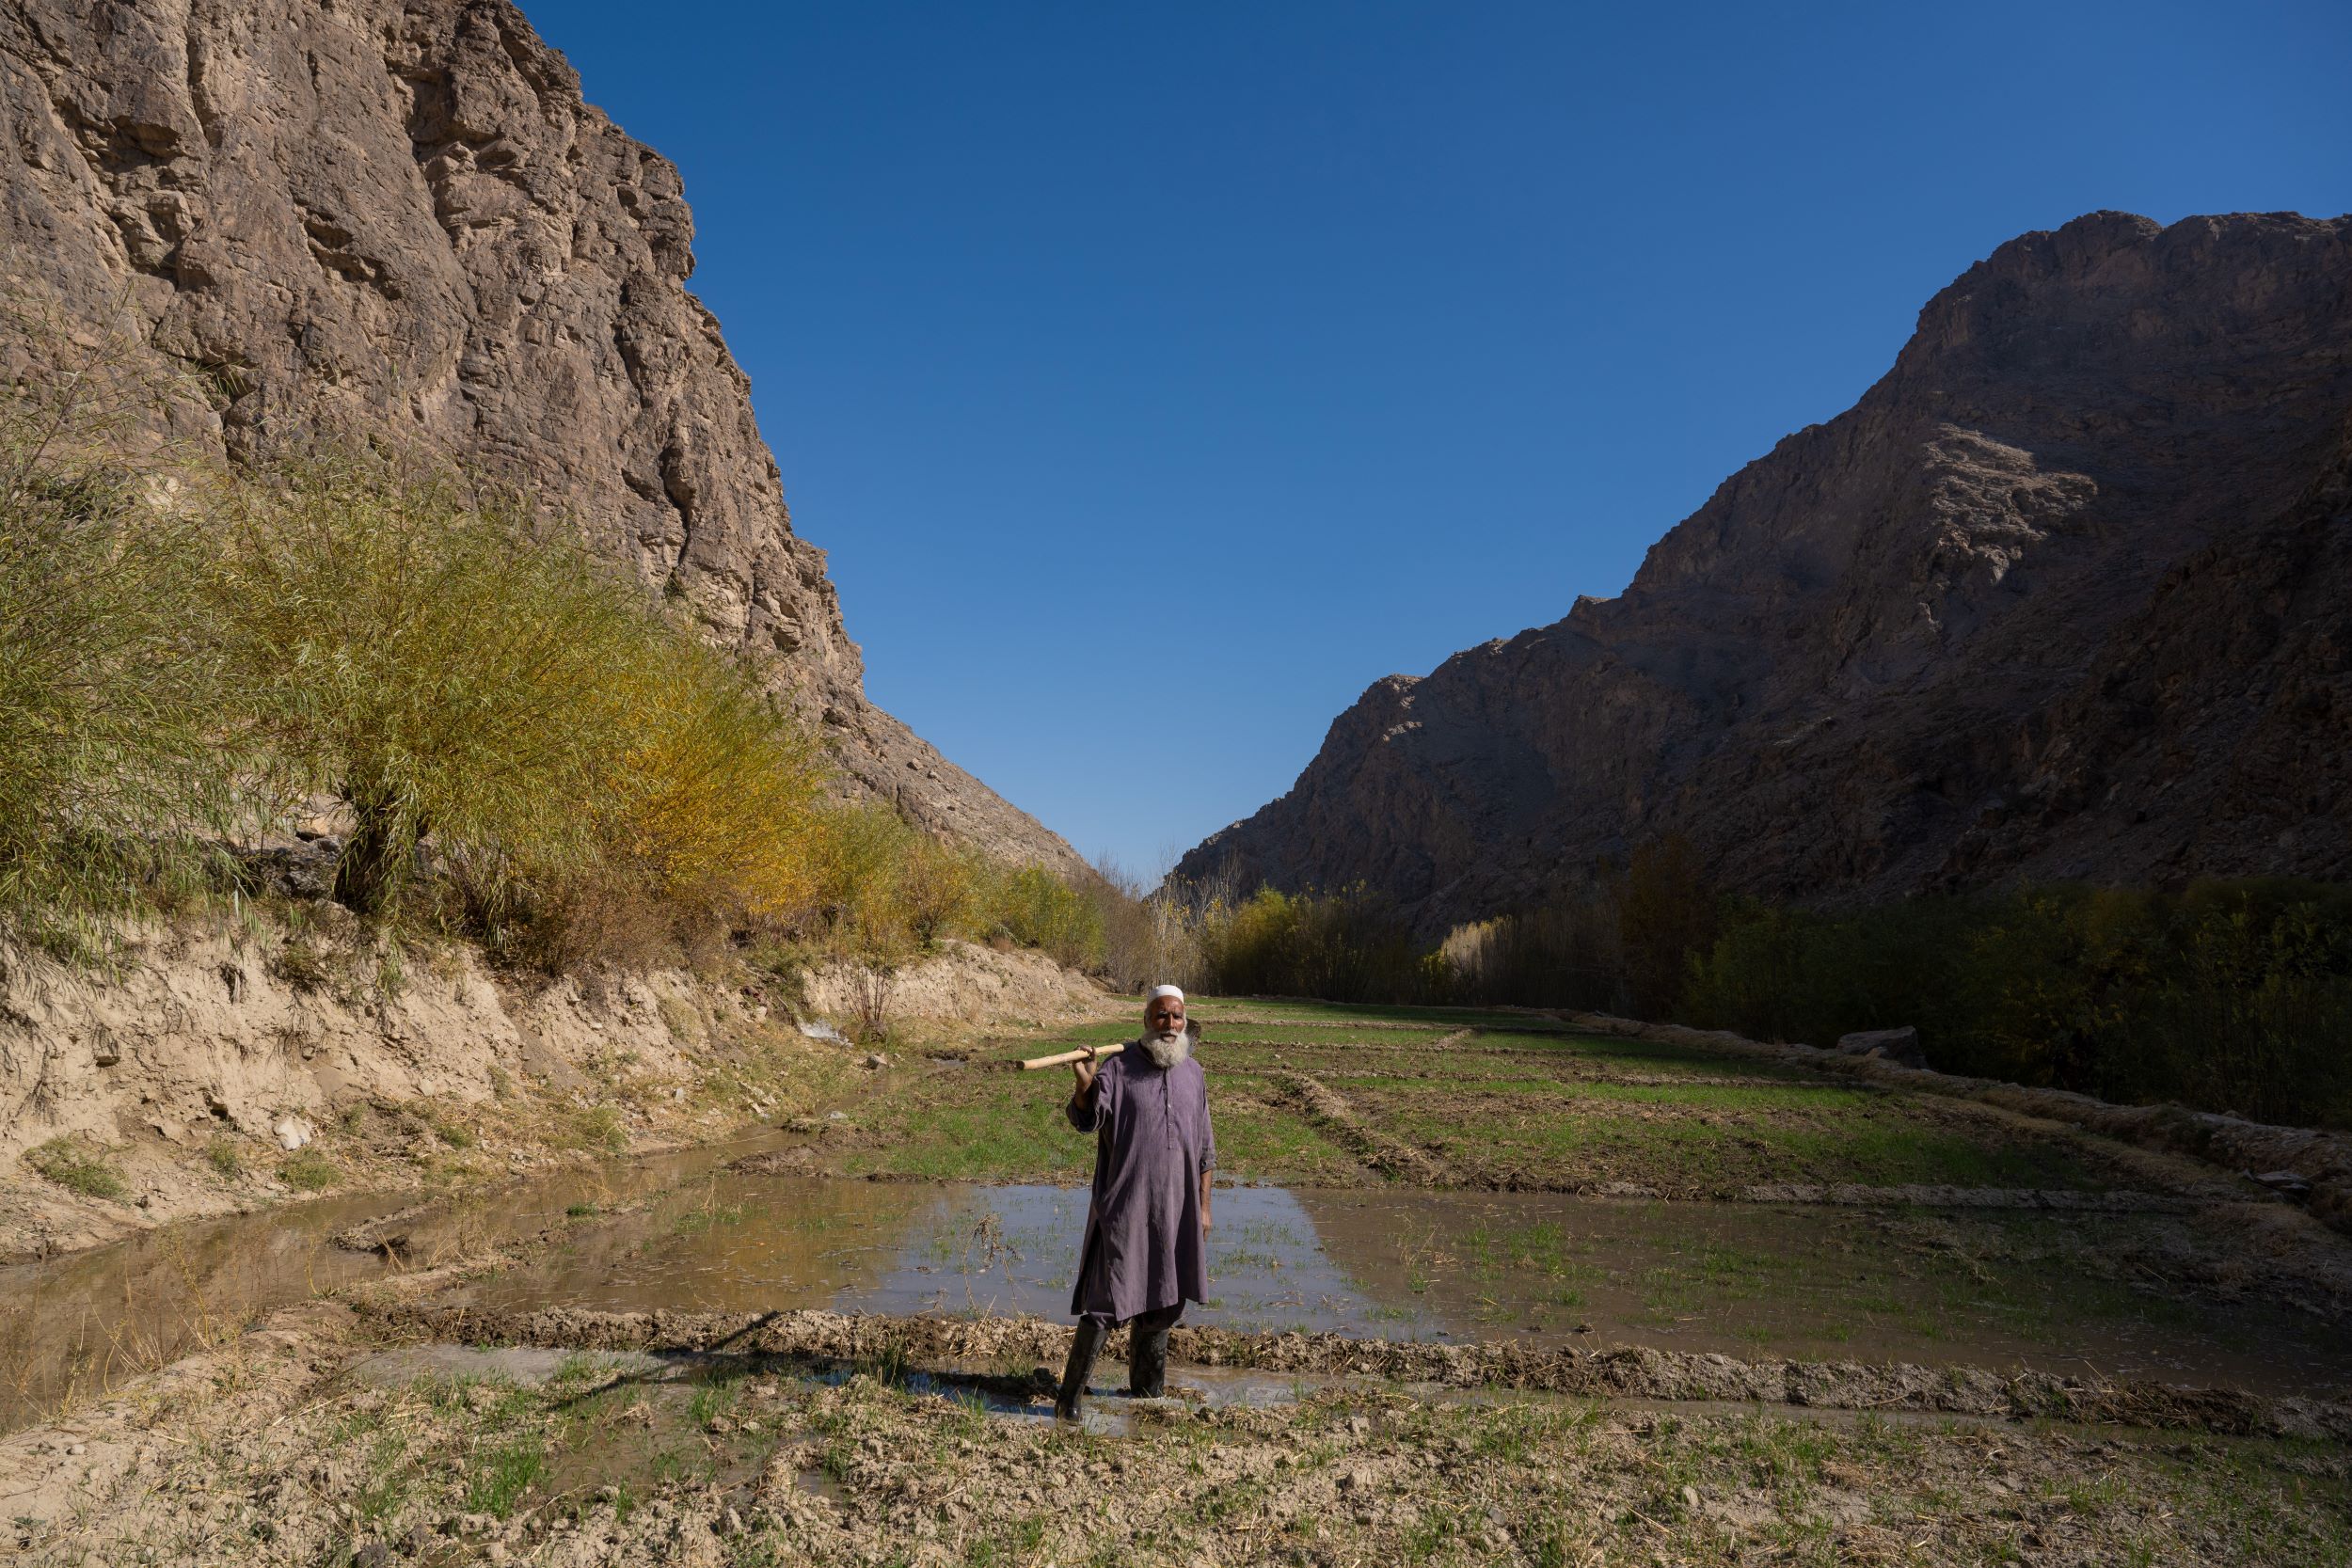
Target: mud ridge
{"points": [[1336, 1118], [2321, 1160], [389, 1234], [1932, 1195], [1624, 1372], [1619, 1080], [1236, 1020]]}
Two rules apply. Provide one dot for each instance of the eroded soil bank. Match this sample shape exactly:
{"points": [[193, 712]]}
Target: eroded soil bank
{"points": [[237, 1064]]}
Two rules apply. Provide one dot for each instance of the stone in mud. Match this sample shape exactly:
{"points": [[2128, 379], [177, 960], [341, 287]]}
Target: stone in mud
{"points": [[1899, 1046], [293, 1133]]}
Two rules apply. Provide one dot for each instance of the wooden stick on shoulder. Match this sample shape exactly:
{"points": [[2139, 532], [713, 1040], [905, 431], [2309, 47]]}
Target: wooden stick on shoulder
{"points": [[1097, 1052]]}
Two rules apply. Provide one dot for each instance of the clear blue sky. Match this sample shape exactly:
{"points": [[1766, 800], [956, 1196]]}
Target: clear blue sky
{"points": [[1159, 375]]}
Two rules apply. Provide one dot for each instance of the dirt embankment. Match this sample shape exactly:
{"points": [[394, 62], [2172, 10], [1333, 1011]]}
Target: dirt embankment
{"points": [[2320, 1162], [225, 1067], [969, 984], [1625, 1373], [283, 1451]]}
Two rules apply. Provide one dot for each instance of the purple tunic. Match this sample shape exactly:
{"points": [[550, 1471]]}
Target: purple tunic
{"points": [[1144, 1249]]}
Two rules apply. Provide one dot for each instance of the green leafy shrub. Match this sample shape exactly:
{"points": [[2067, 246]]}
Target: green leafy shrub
{"points": [[2226, 995], [225, 1158], [1666, 911], [533, 755], [939, 889], [866, 846], [1348, 946]]}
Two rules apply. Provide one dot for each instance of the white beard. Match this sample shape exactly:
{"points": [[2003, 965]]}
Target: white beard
{"points": [[1165, 1050]]}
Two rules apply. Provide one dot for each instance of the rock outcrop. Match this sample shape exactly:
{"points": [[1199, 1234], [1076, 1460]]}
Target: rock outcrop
{"points": [[2067, 595], [401, 214]]}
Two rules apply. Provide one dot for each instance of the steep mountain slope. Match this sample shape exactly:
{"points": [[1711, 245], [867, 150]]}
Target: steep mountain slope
{"points": [[2065, 594], [371, 214]]}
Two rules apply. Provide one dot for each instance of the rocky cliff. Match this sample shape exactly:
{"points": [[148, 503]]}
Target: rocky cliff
{"points": [[2067, 595], [368, 213]]}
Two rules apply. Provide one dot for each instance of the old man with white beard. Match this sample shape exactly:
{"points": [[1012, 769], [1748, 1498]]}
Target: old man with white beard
{"points": [[1146, 1251]]}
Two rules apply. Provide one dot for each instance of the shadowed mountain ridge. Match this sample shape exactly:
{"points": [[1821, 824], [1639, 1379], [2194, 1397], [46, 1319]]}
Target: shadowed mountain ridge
{"points": [[2065, 595]]}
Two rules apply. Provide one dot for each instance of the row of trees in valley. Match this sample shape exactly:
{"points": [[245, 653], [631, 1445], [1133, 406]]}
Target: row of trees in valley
{"points": [[2225, 995]]}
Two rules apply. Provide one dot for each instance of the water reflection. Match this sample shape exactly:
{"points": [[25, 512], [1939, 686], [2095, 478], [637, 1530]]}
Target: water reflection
{"points": [[78, 1324], [683, 1232], [763, 1243]]}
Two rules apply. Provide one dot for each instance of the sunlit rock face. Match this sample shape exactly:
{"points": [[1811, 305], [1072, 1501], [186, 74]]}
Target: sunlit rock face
{"points": [[376, 214], [2067, 595]]}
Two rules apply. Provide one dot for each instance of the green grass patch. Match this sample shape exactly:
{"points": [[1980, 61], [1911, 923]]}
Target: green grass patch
{"points": [[1797, 1141], [1266, 1145], [77, 1168], [1007, 1130], [599, 1127], [309, 1171], [501, 1473], [694, 1222]]}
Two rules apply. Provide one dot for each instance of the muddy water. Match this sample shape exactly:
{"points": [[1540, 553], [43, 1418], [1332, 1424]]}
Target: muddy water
{"points": [[78, 1324], [2050, 1292], [743, 1242]]}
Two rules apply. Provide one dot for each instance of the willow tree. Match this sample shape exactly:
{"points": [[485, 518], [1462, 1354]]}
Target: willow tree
{"points": [[418, 644], [113, 752]]}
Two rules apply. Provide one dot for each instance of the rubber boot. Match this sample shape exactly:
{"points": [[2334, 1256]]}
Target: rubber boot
{"points": [[1085, 1345], [1147, 1355]]}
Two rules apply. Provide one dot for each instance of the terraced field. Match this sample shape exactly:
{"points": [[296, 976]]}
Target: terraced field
{"points": [[1485, 1288], [1314, 1094]]}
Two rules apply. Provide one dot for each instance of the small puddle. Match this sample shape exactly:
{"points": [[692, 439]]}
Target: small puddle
{"points": [[2052, 1291]]}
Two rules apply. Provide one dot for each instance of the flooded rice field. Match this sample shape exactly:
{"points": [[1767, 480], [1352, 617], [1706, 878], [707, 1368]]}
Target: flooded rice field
{"points": [[2058, 1291], [1935, 1287], [1481, 1289]]}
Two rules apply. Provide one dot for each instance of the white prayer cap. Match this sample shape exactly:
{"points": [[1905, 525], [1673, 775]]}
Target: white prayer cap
{"points": [[1158, 991]]}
